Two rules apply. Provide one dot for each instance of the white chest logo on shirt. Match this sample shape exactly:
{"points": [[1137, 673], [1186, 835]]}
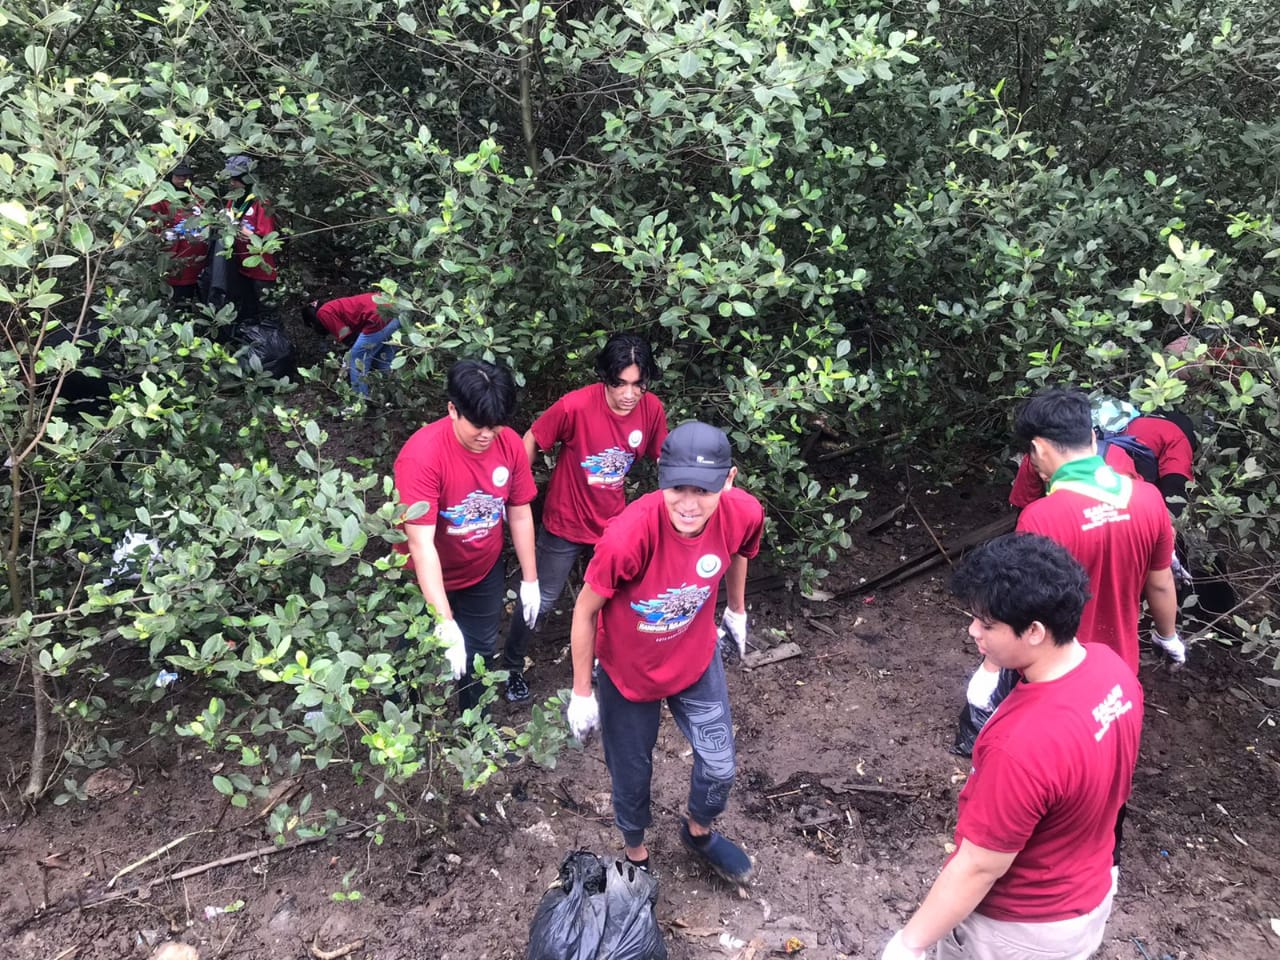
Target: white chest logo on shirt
{"points": [[708, 565], [634, 438], [500, 476]]}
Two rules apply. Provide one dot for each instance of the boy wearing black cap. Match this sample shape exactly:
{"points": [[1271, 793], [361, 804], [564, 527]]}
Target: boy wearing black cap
{"points": [[647, 611]]}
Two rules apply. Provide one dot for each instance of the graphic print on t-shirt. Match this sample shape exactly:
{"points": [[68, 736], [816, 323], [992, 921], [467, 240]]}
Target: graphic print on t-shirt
{"points": [[475, 516], [1110, 710], [672, 610], [608, 468]]}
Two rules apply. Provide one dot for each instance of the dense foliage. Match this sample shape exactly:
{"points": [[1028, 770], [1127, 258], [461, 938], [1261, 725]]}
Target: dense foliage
{"points": [[872, 223]]}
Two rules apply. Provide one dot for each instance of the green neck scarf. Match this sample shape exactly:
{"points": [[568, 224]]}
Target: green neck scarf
{"points": [[1092, 477]]}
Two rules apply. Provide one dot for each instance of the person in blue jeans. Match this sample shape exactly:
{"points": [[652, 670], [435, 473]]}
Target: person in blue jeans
{"points": [[363, 324]]}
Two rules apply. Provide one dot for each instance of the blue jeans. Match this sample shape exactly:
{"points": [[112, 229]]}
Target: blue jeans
{"points": [[371, 352], [477, 609], [556, 557], [629, 731]]}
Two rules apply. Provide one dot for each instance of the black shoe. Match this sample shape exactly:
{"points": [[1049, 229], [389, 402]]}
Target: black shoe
{"points": [[722, 855], [517, 687]]}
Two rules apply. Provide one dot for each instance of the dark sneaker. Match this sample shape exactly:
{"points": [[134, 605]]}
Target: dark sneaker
{"points": [[517, 687], [722, 855]]}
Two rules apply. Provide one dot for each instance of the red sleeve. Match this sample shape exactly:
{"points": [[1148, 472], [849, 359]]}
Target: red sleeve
{"points": [[552, 427], [523, 489], [753, 527], [657, 430], [417, 480], [1027, 485], [1162, 552], [1003, 804]]}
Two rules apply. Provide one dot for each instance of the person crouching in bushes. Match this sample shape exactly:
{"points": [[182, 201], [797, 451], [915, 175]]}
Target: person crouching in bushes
{"points": [[362, 324]]}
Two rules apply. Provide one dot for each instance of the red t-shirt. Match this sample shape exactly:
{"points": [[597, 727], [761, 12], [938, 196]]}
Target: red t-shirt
{"points": [[1118, 545], [657, 632], [1051, 769], [597, 450], [187, 255], [358, 314], [1167, 441], [252, 213], [468, 495], [1028, 487]]}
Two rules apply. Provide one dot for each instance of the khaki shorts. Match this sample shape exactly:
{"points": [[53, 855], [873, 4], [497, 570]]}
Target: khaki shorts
{"points": [[981, 938]]}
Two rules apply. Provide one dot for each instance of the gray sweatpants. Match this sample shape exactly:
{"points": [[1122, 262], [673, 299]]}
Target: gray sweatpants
{"points": [[629, 731]]}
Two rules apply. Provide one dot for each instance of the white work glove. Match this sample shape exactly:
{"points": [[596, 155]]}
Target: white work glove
{"points": [[530, 601], [455, 646], [735, 624], [1173, 646], [982, 687], [896, 950], [583, 715]]}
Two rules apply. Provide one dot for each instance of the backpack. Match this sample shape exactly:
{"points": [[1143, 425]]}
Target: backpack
{"points": [[1144, 458]]}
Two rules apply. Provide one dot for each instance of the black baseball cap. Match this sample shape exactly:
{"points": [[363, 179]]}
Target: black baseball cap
{"points": [[695, 455]]}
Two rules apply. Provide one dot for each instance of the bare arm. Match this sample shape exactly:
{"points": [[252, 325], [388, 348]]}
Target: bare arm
{"points": [[530, 447], [582, 638], [735, 584], [522, 538], [960, 887], [1162, 598], [426, 564]]}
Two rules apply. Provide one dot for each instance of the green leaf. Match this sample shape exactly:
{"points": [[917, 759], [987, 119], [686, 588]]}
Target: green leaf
{"points": [[223, 786], [689, 64], [81, 237], [743, 309]]}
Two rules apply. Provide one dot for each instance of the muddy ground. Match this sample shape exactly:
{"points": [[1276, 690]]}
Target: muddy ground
{"points": [[846, 798]]}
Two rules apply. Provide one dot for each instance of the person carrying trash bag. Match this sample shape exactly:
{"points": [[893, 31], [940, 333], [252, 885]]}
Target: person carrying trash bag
{"points": [[647, 610], [598, 908]]}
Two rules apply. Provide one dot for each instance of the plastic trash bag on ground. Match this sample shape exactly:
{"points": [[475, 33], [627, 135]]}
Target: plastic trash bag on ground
{"points": [[600, 909]]}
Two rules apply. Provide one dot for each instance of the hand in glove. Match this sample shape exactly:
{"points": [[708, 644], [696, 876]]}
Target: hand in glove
{"points": [[1173, 646], [895, 949], [455, 647], [735, 624], [530, 601], [583, 715]]}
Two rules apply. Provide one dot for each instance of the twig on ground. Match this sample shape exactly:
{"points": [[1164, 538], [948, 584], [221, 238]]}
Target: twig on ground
{"points": [[124, 871], [342, 951], [932, 536]]}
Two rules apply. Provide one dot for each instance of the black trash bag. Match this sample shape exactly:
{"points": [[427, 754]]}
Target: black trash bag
{"points": [[601, 909], [266, 346], [972, 719]]}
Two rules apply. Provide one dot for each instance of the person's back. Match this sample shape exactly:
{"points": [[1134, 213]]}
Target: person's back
{"points": [[1118, 541]]}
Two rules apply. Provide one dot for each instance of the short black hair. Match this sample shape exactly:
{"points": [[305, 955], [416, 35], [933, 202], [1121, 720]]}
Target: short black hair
{"points": [[482, 392], [1059, 415], [1023, 577], [621, 351], [311, 316]]}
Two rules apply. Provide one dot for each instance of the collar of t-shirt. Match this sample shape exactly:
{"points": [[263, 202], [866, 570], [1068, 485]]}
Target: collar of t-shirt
{"points": [[1092, 477]]}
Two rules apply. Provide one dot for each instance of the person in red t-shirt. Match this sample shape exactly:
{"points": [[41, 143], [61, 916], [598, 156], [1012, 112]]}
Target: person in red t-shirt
{"points": [[1171, 437], [362, 324], [601, 429], [180, 226], [470, 472], [1116, 526], [1032, 874], [647, 610], [250, 217]]}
